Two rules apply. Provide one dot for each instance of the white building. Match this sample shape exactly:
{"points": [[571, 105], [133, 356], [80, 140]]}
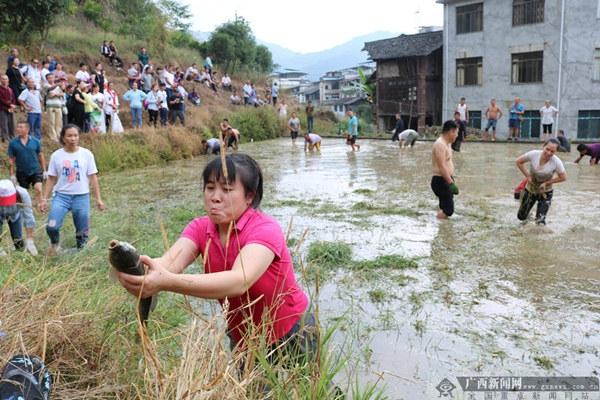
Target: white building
{"points": [[534, 49]]}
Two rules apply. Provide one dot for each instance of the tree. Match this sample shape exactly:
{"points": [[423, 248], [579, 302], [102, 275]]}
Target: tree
{"points": [[177, 14], [22, 18], [222, 48], [263, 59], [240, 50]]}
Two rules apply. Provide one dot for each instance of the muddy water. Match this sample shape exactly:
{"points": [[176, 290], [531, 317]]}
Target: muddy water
{"points": [[490, 297]]}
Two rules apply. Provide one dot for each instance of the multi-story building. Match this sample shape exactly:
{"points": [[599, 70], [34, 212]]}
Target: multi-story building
{"points": [[290, 78], [408, 78], [343, 83], [533, 49]]}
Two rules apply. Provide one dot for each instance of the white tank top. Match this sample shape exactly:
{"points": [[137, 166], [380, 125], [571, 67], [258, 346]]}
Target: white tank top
{"points": [[463, 111]]}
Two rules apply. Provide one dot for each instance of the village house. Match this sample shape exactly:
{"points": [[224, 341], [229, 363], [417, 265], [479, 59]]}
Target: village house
{"points": [[408, 79], [535, 49]]}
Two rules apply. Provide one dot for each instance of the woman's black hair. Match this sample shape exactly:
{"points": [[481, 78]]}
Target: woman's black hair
{"points": [[63, 131], [552, 141], [238, 165]]}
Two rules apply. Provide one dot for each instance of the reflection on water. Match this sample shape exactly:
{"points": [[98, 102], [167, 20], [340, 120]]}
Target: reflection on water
{"points": [[490, 295], [495, 294]]}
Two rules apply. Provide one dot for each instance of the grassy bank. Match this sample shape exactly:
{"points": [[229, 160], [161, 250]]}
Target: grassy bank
{"points": [[67, 310]]}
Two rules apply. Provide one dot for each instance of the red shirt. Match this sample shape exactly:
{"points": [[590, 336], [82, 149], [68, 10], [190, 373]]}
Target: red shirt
{"points": [[276, 291], [7, 98]]}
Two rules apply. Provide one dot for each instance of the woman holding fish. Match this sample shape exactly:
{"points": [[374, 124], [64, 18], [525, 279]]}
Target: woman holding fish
{"points": [[246, 261]]}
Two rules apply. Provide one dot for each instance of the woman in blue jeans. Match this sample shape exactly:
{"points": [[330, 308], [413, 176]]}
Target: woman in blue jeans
{"points": [[136, 98], [71, 172]]}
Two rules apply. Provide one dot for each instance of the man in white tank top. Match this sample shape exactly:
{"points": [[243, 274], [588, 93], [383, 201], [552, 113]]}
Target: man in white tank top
{"points": [[463, 110]]}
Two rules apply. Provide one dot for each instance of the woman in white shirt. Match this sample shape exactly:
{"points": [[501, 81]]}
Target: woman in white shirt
{"points": [[71, 172], [545, 170], [548, 112]]}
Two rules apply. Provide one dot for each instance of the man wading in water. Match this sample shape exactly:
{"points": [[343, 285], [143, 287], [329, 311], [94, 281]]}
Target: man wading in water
{"points": [[442, 182], [540, 177]]}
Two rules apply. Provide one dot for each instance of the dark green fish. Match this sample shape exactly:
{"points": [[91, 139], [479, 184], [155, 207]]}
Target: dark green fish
{"points": [[125, 258]]}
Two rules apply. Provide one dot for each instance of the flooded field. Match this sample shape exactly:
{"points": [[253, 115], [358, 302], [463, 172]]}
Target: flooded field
{"points": [[490, 296]]}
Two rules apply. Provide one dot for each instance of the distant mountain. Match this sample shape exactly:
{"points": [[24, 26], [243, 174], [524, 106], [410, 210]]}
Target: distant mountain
{"points": [[315, 64]]}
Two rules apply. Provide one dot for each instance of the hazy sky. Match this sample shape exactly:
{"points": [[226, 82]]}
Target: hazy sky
{"points": [[313, 25]]}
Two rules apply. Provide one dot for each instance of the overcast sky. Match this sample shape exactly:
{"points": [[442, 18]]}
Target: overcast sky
{"points": [[312, 25]]}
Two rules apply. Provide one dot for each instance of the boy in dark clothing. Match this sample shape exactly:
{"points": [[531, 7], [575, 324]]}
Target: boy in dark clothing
{"points": [[462, 132]]}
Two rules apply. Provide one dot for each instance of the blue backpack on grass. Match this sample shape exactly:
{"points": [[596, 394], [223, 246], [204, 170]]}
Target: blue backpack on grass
{"points": [[25, 378]]}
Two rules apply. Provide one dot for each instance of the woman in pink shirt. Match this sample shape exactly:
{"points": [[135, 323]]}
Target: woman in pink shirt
{"points": [[246, 261]]}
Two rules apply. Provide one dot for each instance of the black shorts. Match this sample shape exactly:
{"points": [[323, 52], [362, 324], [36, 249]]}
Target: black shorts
{"points": [[441, 188], [351, 140], [231, 141], [29, 180], [547, 128], [294, 134]]}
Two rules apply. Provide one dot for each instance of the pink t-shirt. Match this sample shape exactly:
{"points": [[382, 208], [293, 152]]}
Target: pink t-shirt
{"points": [[276, 290]]}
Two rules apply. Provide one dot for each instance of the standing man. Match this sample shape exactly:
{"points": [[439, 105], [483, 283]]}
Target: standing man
{"points": [[463, 110], [31, 100], [294, 126], [310, 119], [462, 130], [33, 71], [398, 128], [274, 93], [493, 113], [548, 112], [8, 103], [517, 110], [27, 163], [442, 182], [53, 100], [352, 130]]}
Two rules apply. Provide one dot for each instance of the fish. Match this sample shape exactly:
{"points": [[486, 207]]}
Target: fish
{"points": [[125, 258]]}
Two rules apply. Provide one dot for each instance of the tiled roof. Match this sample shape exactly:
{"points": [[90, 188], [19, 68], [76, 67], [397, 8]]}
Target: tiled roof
{"points": [[420, 44]]}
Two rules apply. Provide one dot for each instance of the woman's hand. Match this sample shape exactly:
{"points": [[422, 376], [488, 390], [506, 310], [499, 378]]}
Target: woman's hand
{"points": [[154, 281]]}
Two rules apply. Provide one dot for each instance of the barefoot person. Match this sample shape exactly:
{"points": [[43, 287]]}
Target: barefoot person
{"points": [[247, 264], [442, 182], [294, 127], [211, 146], [592, 150], [493, 113], [71, 172], [312, 141], [545, 170], [352, 130], [407, 137]]}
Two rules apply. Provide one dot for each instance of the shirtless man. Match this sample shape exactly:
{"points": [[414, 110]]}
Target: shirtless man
{"points": [[492, 114], [442, 182]]}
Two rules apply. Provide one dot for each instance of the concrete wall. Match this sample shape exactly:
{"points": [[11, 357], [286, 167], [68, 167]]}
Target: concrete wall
{"points": [[499, 40]]}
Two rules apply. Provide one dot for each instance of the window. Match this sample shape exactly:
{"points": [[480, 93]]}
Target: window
{"points": [[596, 65], [469, 71], [588, 124], [527, 67], [469, 18], [528, 12], [474, 119], [531, 124]]}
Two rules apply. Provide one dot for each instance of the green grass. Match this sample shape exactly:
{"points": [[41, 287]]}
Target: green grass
{"points": [[390, 261], [330, 254], [377, 295], [544, 362]]}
